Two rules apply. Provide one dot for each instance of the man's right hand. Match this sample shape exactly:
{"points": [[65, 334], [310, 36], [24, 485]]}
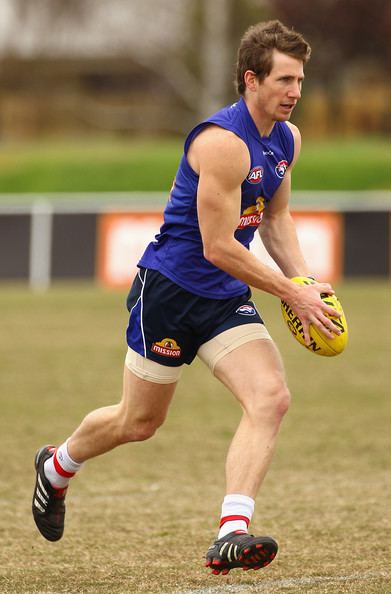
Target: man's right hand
{"points": [[311, 309]]}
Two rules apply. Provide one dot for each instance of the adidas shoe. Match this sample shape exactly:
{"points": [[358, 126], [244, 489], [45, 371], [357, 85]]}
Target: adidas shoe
{"points": [[239, 549], [48, 503]]}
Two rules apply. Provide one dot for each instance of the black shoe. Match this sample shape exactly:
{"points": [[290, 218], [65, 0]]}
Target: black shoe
{"points": [[48, 503], [238, 549]]}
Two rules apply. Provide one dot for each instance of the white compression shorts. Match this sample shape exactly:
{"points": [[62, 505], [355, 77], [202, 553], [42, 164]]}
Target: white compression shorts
{"points": [[210, 353]]}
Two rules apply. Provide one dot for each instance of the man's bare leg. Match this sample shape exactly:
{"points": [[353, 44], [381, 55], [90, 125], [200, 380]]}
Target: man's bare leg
{"points": [[254, 374], [142, 410]]}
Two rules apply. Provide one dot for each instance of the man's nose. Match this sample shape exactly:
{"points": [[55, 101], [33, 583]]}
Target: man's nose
{"points": [[295, 91]]}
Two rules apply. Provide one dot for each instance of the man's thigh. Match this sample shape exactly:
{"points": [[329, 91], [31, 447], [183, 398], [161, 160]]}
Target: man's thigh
{"points": [[147, 400], [230, 339], [251, 370]]}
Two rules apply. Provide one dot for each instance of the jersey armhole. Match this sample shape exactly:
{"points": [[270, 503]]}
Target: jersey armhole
{"points": [[195, 131], [289, 141]]}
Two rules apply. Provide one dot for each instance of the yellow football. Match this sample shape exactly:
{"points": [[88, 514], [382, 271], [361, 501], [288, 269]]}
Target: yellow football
{"points": [[320, 343]]}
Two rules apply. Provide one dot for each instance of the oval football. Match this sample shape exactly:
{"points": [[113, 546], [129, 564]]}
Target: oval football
{"points": [[320, 344]]}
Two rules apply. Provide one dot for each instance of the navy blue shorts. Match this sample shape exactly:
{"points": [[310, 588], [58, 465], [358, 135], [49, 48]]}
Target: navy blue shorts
{"points": [[167, 324]]}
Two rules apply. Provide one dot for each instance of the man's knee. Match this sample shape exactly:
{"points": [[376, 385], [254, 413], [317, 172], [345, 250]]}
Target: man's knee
{"points": [[138, 429], [145, 401], [137, 424], [270, 401], [282, 399]]}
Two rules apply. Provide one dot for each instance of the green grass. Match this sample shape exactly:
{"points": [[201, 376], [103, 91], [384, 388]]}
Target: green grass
{"points": [[140, 518], [340, 164], [89, 166], [150, 165]]}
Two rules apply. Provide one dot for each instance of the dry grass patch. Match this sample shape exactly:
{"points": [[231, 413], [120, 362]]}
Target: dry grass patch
{"points": [[140, 518]]}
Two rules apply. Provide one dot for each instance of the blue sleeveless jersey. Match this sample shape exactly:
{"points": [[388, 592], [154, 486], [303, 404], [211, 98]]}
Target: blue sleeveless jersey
{"points": [[177, 251]]}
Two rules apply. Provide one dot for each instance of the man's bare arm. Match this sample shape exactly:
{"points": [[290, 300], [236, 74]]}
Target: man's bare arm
{"points": [[222, 161]]}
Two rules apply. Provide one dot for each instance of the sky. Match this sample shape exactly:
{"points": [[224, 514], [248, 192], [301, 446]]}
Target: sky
{"points": [[111, 28]]}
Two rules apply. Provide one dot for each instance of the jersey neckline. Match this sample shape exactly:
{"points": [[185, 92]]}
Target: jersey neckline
{"points": [[251, 124]]}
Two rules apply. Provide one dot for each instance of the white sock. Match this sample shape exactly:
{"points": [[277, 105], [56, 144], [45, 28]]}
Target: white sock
{"points": [[236, 513], [60, 468]]}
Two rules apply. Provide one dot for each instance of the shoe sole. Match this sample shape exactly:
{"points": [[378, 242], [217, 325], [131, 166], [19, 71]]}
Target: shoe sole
{"points": [[259, 554]]}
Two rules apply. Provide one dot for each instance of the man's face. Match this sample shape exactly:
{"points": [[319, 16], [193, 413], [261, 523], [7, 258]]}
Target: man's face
{"points": [[278, 93]]}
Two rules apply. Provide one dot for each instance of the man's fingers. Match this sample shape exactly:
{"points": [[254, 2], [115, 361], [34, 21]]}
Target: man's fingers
{"points": [[323, 324], [319, 312], [328, 328], [306, 331], [330, 311], [325, 288]]}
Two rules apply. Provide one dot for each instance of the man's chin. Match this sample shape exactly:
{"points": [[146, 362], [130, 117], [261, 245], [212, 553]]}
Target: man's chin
{"points": [[283, 115], [283, 118]]}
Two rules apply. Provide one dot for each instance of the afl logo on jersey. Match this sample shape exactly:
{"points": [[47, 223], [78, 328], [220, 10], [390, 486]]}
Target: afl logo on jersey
{"points": [[256, 174], [281, 167]]}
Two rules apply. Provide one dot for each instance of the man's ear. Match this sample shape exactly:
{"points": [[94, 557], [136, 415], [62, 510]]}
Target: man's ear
{"points": [[251, 80]]}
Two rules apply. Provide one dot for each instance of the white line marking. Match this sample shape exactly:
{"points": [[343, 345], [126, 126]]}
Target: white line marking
{"points": [[286, 583], [142, 311]]}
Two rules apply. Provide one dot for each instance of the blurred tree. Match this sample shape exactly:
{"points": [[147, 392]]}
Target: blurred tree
{"points": [[191, 43], [342, 32], [188, 48], [215, 54], [222, 24], [349, 72], [25, 9], [96, 28]]}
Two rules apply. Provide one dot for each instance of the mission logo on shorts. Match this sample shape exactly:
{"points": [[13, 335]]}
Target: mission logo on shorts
{"points": [[167, 347], [160, 308]]}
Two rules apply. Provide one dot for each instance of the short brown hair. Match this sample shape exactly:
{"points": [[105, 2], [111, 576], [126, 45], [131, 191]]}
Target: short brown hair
{"points": [[256, 49]]}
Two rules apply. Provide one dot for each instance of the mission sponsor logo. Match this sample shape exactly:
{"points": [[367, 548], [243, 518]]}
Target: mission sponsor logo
{"points": [[252, 216], [246, 310], [256, 174], [281, 168], [167, 347]]}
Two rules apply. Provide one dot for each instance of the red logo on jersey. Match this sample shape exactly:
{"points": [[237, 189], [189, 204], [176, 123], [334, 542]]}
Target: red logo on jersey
{"points": [[281, 168], [256, 174], [252, 216]]}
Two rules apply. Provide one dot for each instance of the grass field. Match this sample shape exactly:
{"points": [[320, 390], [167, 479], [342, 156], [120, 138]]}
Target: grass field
{"points": [[122, 165], [140, 519]]}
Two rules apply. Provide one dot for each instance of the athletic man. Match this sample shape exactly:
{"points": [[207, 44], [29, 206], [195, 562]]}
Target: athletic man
{"points": [[191, 295]]}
